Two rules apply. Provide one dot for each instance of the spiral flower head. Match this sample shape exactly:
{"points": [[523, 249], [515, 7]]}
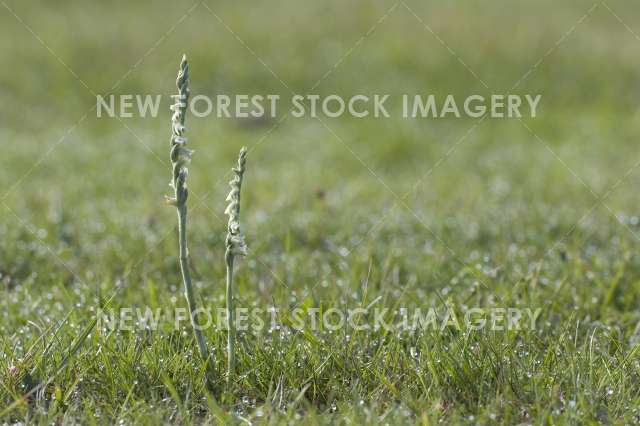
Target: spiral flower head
{"points": [[180, 155], [235, 240]]}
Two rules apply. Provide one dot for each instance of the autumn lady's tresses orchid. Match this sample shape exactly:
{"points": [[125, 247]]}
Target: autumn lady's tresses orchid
{"points": [[235, 247], [180, 158]]}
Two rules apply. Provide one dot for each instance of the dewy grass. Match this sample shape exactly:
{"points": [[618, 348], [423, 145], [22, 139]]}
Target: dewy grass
{"points": [[235, 247], [180, 158]]}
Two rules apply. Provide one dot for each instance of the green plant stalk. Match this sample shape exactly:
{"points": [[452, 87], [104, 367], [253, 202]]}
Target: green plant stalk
{"points": [[188, 287], [235, 247], [231, 335], [180, 157]]}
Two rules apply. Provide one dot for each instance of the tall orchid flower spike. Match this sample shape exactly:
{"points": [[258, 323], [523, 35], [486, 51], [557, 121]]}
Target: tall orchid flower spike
{"points": [[180, 158], [235, 247]]}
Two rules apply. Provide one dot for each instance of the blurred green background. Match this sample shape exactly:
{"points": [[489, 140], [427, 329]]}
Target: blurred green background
{"points": [[98, 182]]}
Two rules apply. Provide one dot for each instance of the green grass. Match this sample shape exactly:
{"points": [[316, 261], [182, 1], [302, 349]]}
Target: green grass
{"points": [[504, 220]]}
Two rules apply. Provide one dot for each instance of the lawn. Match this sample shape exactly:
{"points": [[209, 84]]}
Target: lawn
{"points": [[539, 213]]}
